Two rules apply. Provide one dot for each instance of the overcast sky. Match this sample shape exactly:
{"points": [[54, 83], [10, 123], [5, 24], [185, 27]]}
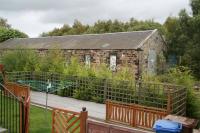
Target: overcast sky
{"points": [[36, 16]]}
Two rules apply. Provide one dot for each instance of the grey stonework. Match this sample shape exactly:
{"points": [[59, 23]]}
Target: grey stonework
{"points": [[124, 57], [155, 42]]}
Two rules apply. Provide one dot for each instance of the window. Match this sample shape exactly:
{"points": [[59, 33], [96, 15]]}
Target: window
{"points": [[87, 60], [113, 62]]}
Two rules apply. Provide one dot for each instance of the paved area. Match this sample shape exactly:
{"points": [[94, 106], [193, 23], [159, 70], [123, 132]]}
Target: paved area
{"points": [[95, 110], [2, 130]]}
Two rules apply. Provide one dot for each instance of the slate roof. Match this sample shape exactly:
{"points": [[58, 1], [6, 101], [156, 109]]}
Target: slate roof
{"points": [[119, 40]]}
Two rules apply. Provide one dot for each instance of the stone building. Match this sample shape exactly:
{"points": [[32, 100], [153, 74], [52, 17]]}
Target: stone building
{"points": [[138, 50]]}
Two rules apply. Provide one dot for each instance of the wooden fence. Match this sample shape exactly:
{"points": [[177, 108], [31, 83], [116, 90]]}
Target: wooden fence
{"points": [[133, 115], [23, 92], [65, 121]]}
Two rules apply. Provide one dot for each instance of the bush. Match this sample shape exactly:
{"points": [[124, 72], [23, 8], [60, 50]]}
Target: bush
{"points": [[103, 72], [83, 94], [54, 61], [182, 76], [72, 67], [125, 73], [21, 60]]}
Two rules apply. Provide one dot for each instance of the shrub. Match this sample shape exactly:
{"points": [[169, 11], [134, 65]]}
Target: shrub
{"points": [[125, 73], [54, 61], [83, 93], [102, 71], [21, 60], [182, 76], [72, 67]]}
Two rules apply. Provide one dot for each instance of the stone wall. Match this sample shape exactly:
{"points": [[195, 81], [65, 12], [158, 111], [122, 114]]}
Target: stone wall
{"points": [[124, 57], [127, 58], [156, 43]]}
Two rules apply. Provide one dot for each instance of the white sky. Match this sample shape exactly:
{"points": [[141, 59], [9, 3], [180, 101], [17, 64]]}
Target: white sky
{"points": [[36, 16]]}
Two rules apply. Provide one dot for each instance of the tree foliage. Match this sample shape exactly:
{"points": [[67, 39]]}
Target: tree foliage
{"points": [[195, 4], [6, 32], [3, 23], [104, 26], [182, 35]]}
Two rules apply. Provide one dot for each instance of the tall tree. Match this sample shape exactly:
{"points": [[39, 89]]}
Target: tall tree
{"points": [[183, 37], [104, 26], [195, 4]]}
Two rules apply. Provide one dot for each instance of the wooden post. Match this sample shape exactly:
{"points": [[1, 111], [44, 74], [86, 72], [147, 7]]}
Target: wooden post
{"points": [[83, 120], [107, 110], [169, 102], [20, 118], [53, 120], [27, 109], [134, 117]]}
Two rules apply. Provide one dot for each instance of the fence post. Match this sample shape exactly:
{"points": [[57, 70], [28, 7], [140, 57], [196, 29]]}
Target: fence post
{"points": [[107, 110], [27, 112], [134, 117], [53, 120], [83, 120], [22, 116], [169, 101]]}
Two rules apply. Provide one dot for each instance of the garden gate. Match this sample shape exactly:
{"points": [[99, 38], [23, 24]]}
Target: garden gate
{"points": [[14, 105], [65, 121]]}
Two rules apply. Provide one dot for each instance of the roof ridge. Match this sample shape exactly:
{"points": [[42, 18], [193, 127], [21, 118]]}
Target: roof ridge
{"points": [[143, 41], [95, 34], [117, 40]]}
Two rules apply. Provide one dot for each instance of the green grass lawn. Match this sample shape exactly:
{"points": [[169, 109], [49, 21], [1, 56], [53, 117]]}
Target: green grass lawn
{"points": [[40, 120]]}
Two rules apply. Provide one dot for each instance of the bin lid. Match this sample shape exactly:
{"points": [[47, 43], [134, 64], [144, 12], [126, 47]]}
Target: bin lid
{"points": [[166, 125], [187, 122]]}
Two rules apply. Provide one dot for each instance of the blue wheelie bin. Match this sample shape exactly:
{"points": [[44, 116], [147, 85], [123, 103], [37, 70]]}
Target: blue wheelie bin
{"points": [[166, 126]]}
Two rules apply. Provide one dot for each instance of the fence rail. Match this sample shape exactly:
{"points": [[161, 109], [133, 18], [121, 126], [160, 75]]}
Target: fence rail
{"points": [[133, 115]]}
